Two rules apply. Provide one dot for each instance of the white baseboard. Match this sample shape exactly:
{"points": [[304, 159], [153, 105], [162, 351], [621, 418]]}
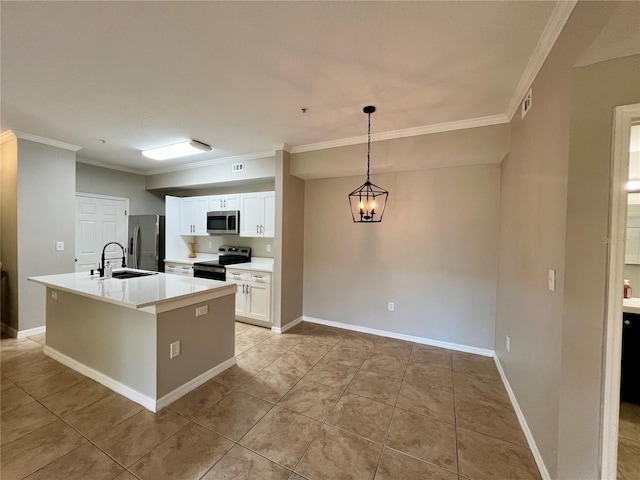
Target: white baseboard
{"points": [[32, 331], [409, 338], [194, 383], [287, 326], [544, 473], [146, 401], [6, 329]]}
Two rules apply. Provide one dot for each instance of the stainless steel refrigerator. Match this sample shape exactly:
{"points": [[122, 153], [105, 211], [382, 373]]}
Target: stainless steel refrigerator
{"points": [[146, 242]]}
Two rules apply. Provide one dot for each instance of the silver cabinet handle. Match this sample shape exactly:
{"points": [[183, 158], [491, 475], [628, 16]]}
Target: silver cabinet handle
{"points": [[257, 228], [247, 289]]}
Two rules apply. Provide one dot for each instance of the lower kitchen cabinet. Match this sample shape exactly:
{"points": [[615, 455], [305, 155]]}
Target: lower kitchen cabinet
{"points": [[253, 298], [185, 269]]}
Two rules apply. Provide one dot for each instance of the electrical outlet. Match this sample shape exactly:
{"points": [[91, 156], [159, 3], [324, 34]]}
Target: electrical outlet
{"points": [[54, 295], [202, 310], [174, 349], [59, 246], [508, 343], [268, 247], [210, 244], [392, 307]]}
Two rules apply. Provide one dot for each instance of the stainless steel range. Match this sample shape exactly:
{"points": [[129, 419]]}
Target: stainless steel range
{"points": [[215, 269]]}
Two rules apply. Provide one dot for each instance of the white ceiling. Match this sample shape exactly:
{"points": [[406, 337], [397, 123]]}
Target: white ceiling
{"points": [[237, 74]]}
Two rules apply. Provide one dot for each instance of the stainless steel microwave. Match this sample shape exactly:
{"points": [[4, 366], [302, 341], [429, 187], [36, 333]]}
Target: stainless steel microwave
{"points": [[223, 223]]}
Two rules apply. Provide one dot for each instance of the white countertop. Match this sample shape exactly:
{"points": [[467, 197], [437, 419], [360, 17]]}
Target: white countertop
{"points": [[141, 292], [200, 257], [631, 305]]}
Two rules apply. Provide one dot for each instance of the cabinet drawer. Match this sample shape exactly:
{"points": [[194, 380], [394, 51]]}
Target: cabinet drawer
{"points": [[179, 269], [248, 275]]}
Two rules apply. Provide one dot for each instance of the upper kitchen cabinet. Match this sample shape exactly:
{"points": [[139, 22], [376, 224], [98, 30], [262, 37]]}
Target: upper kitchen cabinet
{"points": [[193, 215], [258, 214], [222, 203]]}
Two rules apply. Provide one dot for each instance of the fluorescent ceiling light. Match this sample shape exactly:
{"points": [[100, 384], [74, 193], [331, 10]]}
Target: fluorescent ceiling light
{"points": [[176, 150]]}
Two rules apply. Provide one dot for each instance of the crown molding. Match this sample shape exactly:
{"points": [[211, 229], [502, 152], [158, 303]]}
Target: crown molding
{"points": [[407, 132], [550, 34], [208, 163], [7, 136], [283, 146], [110, 166], [46, 141]]}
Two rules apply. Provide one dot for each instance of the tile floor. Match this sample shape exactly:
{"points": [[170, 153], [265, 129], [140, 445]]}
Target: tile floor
{"points": [[313, 403], [629, 442]]}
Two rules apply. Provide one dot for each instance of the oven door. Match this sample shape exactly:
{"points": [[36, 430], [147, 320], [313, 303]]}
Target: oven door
{"points": [[210, 272]]}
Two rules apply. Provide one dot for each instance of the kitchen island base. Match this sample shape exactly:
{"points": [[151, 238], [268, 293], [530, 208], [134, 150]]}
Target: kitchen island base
{"points": [[128, 350]]}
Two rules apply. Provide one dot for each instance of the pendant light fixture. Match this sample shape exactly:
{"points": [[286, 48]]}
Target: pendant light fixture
{"points": [[368, 201]]}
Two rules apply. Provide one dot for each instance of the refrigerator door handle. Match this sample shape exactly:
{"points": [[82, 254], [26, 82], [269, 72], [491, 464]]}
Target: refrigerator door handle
{"points": [[137, 241]]}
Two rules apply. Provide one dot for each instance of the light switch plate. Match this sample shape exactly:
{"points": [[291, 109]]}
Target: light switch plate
{"points": [[202, 310], [552, 280]]}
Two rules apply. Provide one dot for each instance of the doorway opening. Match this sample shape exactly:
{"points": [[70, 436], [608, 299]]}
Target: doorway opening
{"points": [[624, 118]]}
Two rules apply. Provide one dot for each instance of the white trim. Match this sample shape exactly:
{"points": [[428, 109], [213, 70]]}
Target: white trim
{"points": [[106, 197], [544, 473], [46, 141], [193, 384], [147, 402], [31, 332], [110, 166], [6, 329], [7, 136], [550, 34], [485, 352], [407, 132], [623, 118], [208, 163], [287, 326]]}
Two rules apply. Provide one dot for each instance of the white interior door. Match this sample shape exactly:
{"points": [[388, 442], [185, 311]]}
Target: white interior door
{"points": [[99, 220]]}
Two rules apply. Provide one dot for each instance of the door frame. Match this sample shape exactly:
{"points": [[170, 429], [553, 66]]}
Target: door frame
{"points": [[107, 197], [624, 117]]}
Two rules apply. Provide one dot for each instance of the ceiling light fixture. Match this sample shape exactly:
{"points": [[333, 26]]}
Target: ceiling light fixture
{"points": [[183, 149], [366, 199]]}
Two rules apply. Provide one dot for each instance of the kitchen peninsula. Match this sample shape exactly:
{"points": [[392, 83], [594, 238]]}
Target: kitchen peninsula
{"points": [[152, 338]]}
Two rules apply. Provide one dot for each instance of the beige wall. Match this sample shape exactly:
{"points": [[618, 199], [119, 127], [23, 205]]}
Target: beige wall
{"points": [[256, 170], [471, 146], [9, 239], [46, 214], [597, 90], [434, 254], [287, 281], [105, 181], [533, 219]]}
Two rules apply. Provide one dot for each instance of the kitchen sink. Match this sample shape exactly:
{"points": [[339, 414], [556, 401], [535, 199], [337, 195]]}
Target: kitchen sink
{"points": [[124, 274]]}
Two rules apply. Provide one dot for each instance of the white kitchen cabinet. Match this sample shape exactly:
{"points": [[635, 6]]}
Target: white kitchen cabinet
{"points": [[257, 214], [223, 203], [193, 215], [253, 298], [176, 268]]}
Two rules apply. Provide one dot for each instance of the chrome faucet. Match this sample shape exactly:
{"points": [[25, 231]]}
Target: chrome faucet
{"points": [[101, 269]]}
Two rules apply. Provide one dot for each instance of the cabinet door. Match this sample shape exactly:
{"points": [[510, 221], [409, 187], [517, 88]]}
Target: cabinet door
{"points": [[259, 301], [187, 215], [200, 215], [231, 202], [241, 299], [269, 209], [215, 203], [250, 214]]}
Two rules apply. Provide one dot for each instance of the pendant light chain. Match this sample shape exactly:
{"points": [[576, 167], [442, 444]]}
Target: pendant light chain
{"points": [[368, 145]]}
